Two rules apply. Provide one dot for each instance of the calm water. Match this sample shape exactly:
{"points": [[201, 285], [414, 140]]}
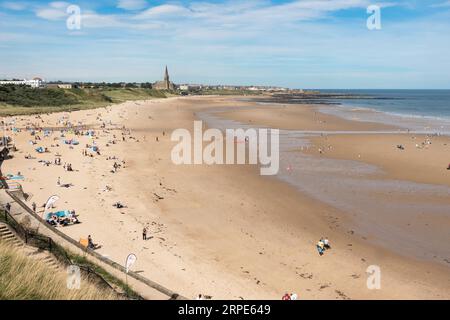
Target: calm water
{"points": [[419, 103], [420, 110]]}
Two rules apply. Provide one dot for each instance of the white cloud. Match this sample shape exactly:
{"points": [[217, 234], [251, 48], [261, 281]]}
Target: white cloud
{"points": [[164, 11], [230, 15], [93, 20], [441, 5], [16, 6], [55, 11], [132, 4]]}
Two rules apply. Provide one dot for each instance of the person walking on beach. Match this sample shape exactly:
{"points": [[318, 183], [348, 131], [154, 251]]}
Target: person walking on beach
{"points": [[59, 181], [8, 208], [144, 234], [33, 206]]}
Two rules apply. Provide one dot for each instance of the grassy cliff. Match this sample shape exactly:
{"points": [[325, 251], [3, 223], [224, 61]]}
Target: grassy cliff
{"points": [[15, 100], [24, 278]]}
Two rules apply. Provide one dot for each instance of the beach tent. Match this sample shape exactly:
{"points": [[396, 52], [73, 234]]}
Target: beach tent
{"points": [[14, 177], [58, 214], [71, 142], [40, 150]]}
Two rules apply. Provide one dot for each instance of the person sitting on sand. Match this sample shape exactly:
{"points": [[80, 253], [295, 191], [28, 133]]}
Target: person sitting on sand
{"points": [[118, 205], [326, 243], [75, 220], [320, 247], [90, 243], [286, 296], [52, 221]]}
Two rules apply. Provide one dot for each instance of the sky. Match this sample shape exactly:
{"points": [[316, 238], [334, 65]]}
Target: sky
{"points": [[324, 44]]}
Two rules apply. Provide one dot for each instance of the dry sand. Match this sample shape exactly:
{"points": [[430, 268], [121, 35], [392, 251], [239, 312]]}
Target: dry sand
{"points": [[223, 231]]}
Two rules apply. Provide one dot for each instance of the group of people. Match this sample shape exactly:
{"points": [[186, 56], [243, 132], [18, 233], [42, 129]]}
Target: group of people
{"points": [[87, 154], [322, 245], [63, 221], [68, 167], [115, 167], [118, 205]]}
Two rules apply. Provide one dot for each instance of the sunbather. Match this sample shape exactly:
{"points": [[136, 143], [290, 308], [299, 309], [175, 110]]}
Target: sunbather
{"points": [[118, 205]]}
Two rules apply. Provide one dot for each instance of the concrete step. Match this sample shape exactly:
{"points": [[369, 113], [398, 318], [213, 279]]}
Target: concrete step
{"points": [[29, 251], [8, 236], [18, 243], [14, 242]]}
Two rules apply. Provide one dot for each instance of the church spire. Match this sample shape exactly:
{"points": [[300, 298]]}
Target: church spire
{"points": [[166, 75]]}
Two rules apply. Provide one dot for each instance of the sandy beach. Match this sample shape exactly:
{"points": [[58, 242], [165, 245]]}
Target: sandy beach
{"points": [[226, 231]]}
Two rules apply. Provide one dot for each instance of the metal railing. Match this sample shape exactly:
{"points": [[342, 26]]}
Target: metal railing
{"points": [[42, 242], [169, 293]]}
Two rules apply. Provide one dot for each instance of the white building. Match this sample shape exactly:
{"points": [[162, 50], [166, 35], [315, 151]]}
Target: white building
{"points": [[34, 83]]}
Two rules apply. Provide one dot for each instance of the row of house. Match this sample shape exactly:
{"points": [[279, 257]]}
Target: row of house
{"points": [[36, 83], [193, 87], [165, 84]]}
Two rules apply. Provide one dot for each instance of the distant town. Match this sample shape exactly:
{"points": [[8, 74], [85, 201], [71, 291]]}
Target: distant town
{"points": [[165, 84]]}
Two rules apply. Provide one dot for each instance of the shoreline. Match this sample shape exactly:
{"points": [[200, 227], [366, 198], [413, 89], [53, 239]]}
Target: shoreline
{"points": [[205, 214], [363, 173]]}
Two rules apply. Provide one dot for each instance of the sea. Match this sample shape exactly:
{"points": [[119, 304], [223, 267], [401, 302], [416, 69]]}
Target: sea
{"points": [[413, 109]]}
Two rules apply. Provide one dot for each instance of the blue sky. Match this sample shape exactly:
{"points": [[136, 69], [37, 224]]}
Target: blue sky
{"points": [[293, 43]]}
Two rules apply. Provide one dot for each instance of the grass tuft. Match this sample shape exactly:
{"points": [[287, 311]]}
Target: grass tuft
{"points": [[24, 278]]}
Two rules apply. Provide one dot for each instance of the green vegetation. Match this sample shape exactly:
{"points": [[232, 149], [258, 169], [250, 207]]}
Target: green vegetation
{"points": [[65, 256], [24, 278], [28, 97], [112, 280], [23, 100], [126, 94]]}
